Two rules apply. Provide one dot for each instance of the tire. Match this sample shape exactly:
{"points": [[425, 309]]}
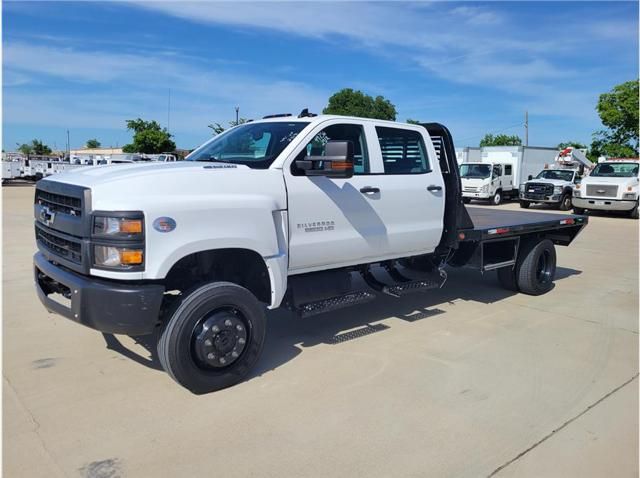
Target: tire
{"points": [[496, 199], [633, 214], [537, 268], [525, 204], [507, 278], [565, 202], [198, 358], [466, 200], [578, 210]]}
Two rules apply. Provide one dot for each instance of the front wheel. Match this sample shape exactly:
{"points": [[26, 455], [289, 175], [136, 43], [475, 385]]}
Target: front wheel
{"points": [[466, 200], [633, 214], [525, 204], [565, 203], [537, 268], [578, 210], [213, 337], [497, 198]]}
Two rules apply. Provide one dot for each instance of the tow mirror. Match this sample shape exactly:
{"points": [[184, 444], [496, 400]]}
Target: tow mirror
{"points": [[530, 177], [337, 161]]}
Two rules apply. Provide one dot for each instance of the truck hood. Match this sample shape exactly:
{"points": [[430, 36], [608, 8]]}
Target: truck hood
{"points": [[555, 182], [150, 186], [475, 181]]}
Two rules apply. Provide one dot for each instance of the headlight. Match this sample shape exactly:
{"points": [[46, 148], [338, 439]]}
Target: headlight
{"points": [[127, 226], [485, 188], [630, 196], [522, 187], [117, 257], [557, 189], [576, 193]]}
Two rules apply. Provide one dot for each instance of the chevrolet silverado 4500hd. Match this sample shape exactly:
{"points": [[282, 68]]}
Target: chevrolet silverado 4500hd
{"points": [[278, 212]]}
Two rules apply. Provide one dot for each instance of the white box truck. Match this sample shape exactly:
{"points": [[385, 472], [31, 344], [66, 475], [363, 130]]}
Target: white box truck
{"points": [[501, 170]]}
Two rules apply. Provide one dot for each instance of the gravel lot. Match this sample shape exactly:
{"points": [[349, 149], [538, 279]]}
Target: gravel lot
{"points": [[468, 381]]}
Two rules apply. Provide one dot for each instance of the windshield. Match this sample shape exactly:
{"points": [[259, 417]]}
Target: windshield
{"points": [[475, 171], [555, 174], [615, 170], [253, 144]]}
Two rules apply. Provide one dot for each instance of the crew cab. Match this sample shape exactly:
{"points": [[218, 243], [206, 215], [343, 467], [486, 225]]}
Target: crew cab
{"points": [[550, 186], [280, 212], [611, 186]]}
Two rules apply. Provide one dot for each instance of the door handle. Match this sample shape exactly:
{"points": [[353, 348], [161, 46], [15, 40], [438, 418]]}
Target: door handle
{"points": [[433, 187], [369, 189]]}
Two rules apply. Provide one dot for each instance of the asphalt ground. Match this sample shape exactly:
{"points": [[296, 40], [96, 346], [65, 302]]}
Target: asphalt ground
{"points": [[467, 381]]}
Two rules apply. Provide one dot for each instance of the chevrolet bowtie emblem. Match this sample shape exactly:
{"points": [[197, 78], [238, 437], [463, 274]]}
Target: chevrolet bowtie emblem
{"points": [[47, 215]]}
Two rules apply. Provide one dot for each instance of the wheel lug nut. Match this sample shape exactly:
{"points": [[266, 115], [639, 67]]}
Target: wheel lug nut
{"points": [[210, 356], [208, 342], [223, 361], [239, 327], [228, 323], [234, 354], [215, 328], [241, 341]]}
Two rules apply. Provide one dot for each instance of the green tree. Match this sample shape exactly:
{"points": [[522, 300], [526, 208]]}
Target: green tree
{"points": [[412, 121], [500, 140], [572, 144], [93, 143], [618, 110], [148, 137], [217, 128], [348, 102], [36, 147]]}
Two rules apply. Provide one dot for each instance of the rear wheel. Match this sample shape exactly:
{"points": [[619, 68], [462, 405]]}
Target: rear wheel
{"points": [[578, 210], [525, 204], [496, 199], [466, 200], [537, 268], [213, 337], [565, 203]]}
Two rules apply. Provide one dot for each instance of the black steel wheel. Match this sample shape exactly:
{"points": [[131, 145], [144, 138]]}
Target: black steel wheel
{"points": [[466, 200], [565, 202], [633, 214], [537, 268], [213, 337], [525, 204]]}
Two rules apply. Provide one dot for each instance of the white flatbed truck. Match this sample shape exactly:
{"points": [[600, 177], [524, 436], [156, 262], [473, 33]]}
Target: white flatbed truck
{"points": [[280, 212]]}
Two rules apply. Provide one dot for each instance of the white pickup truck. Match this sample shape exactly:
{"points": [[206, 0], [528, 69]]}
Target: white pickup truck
{"points": [[611, 186], [278, 212], [552, 186]]}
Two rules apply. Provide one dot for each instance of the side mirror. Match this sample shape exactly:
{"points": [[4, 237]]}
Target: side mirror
{"points": [[337, 161], [530, 177]]}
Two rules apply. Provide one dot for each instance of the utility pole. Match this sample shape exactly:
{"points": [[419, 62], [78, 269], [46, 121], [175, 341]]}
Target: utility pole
{"points": [[237, 115], [169, 112], [68, 145], [526, 128]]}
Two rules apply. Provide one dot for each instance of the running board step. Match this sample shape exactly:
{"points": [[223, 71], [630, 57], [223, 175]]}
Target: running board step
{"points": [[408, 287], [335, 303]]}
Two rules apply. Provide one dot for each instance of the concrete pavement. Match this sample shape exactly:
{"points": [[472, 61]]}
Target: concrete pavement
{"points": [[470, 380]]}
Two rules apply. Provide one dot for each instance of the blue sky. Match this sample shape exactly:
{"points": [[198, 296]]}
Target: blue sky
{"points": [[474, 66]]}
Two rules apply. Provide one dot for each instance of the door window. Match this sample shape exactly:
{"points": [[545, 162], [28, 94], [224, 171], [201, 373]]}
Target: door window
{"points": [[403, 151], [507, 170], [497, 170], [338, 132]]}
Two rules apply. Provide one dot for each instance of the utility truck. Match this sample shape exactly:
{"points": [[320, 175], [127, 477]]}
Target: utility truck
{"points": [[280, 212], [612, 185], [554, 185], [501, 171]]}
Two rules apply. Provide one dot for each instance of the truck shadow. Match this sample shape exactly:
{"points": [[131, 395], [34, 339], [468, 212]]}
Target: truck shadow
{"points": [[288, 335]]}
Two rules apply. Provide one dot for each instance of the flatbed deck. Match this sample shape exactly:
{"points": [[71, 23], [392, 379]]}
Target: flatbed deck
{"points": [[492, 222]]}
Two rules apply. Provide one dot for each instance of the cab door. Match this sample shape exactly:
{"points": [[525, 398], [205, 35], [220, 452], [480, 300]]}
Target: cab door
{"points": [[392, 206]]}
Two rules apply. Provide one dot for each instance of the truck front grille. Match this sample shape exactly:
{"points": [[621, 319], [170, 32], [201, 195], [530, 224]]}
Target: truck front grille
{"points": [[470, 189], [539, 188], [67, 247], [59, 203], [602, 190]]}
